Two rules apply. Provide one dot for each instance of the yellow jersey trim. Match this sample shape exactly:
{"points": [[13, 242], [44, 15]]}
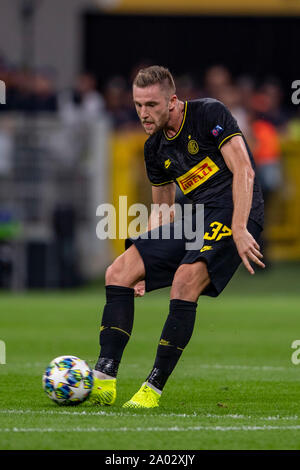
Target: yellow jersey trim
{"points": [[228, 137], [161, 184], [182, 124]]}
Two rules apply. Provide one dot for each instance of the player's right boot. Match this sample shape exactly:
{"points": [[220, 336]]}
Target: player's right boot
{"points": [[104, 392], [146, 397]]}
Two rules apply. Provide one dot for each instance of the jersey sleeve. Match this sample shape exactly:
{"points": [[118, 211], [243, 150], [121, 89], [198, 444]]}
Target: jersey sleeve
{"points": [[221, 125], [156, 175]]}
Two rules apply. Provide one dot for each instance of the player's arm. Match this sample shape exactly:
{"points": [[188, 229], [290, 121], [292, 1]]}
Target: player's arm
{"points": [[163, 198], [237, 159]]}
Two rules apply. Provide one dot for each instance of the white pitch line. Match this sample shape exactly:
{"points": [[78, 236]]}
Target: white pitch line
{"points": [[243, 367], [164, 415], [261, 418], [152, 429]]}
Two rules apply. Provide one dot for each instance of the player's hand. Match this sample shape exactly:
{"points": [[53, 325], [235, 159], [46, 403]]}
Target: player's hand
{"points": [[248, 249], [139, 289]]}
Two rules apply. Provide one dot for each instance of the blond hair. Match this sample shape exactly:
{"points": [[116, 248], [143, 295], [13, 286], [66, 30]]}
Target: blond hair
{"points": [[153, 75]]}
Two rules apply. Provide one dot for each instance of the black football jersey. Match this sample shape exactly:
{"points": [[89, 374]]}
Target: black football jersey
{"points": [[193, 160]]}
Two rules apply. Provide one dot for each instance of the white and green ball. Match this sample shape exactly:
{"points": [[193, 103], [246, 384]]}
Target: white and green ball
{"points": [[68, 380]]}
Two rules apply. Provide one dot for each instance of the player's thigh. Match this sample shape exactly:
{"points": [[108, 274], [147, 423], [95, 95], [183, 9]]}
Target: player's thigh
{"points": [[190, 280], [126, 270]]}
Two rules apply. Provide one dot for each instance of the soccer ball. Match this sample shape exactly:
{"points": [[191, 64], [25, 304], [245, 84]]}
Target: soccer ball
{"points": [[68, 380]]}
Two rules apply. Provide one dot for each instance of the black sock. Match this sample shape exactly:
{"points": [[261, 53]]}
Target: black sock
{"points": [[116, 327], [175, 336]]}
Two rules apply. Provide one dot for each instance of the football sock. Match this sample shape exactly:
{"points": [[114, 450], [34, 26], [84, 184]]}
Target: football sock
{"points": [[116, 327], [175, 336]]}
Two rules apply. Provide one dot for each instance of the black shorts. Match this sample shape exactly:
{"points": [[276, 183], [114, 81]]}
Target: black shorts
{"points": [[162, 257]]}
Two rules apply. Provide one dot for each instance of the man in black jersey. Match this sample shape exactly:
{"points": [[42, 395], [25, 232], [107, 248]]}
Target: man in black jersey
{"points": [[198, 146]]}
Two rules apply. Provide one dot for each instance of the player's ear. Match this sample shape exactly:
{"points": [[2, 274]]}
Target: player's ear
{"points": [[172, 102]]}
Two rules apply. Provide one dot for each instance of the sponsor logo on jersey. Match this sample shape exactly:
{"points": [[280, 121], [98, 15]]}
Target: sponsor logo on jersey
{"points": [[167, 163], [193, 147], [217, 130], [197, 175]]}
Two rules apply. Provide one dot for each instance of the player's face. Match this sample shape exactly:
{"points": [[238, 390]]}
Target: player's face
{"points": [[153, 107]]}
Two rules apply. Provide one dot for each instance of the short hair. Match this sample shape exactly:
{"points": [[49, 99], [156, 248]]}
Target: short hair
{"points": [[153, 75]]}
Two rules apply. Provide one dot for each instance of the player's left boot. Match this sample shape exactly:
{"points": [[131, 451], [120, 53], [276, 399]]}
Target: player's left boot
{"points": [[146, 397], [104, 392]]}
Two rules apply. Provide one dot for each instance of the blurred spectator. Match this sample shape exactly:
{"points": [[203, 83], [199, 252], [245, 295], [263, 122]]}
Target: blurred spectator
{"points": [[117, 104], [266, 154], [268, 101], [246, 86], [79, 108], [186, 88], [29, 91], [268, 122], [216, 79], [84, 104], [65, 228], [232, 98], [43, 96]]}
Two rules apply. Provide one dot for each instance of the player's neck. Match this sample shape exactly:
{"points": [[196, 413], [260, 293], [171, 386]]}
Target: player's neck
{"points": [[175, 121]]}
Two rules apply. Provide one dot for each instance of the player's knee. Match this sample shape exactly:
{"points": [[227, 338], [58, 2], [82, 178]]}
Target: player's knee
{"points": [[109, 275], [189, 281], [113, 274], [126, 270], [181, 290]]}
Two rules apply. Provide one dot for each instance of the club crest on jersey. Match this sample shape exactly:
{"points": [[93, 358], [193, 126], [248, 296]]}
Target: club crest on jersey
{"points": [[197, 175], [167, 163], [217, 131], [193, 147]]}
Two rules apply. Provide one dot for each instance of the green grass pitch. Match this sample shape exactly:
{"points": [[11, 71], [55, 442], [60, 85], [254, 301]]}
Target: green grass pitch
{"points": [[234, 388]]}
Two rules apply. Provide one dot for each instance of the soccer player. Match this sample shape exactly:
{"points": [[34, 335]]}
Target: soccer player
{"points": [[199, 146]]}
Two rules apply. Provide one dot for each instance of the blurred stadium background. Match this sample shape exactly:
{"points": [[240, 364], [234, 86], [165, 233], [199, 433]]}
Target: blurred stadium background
{"points": [[69, 135]]}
